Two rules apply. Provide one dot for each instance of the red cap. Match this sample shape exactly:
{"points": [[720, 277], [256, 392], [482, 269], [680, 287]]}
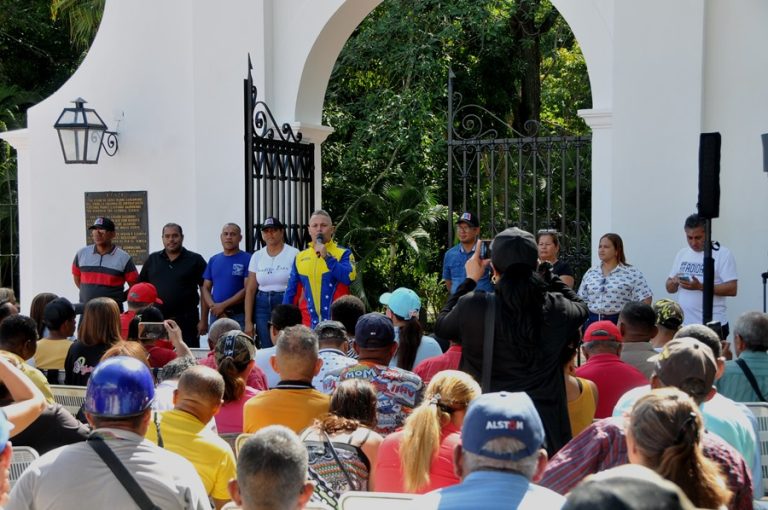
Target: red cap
{"points": [[602, 330], [144, 293]]}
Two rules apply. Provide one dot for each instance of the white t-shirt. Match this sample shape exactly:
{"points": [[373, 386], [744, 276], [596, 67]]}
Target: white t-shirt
{"points": [[689, 262], [272, 272]]}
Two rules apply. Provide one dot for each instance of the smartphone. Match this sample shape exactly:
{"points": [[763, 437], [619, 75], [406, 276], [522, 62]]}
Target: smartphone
{"points": [[485, 248], [151, 330], [684, 278]]}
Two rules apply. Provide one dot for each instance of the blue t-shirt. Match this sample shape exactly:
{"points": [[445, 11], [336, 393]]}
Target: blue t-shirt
{"points": [[492, 489], [453, 269], [228, 274]]}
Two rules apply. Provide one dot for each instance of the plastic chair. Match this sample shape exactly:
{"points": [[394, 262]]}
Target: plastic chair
{"points": [[760, 410], [361, 500], [71, 397], [231, 439], [22, 457], [199, 352]]}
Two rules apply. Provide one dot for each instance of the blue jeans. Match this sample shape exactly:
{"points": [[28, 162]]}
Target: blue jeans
{"points": [[237, 317], [262, 312]]}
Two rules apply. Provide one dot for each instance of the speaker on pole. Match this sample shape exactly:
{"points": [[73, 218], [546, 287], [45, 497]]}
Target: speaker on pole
{"points": [[765, 151], [709, 175]]}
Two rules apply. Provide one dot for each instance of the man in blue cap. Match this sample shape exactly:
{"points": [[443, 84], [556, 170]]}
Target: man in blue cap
{"points": [[117, 405], [501, 454]]}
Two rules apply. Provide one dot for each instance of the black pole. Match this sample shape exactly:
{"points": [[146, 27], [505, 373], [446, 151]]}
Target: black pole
{"points": [[709, 274], [451, 76], [764, 276]]}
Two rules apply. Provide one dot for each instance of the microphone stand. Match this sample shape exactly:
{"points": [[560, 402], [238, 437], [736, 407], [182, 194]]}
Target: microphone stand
{"points": [[709, 274]]}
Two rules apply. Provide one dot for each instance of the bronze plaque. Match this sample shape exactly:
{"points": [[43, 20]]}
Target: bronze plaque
{"points": [[128, 209]]}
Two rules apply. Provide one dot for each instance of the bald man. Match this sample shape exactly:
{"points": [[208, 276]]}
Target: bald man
{"points": [[184, 430], [293, 402]]}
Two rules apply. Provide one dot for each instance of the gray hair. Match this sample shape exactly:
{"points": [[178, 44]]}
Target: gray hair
{"points": [[752, 327], [502, 445], [321, 212], [219, 327], [272, 469], [174, 368], [297, 342]]}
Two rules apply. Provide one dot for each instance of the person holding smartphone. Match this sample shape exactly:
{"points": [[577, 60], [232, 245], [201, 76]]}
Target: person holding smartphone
{"points": [[686, 278], [467, 232]]}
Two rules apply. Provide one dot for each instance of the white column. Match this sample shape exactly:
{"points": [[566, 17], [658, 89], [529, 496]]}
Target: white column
{"points": [[315, 133], [600, 120]]}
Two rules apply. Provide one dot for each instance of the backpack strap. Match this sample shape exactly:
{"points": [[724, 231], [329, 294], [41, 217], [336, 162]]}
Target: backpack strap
{"points": [[343, 468], [751, 378], [123, 475], [490, 319]]}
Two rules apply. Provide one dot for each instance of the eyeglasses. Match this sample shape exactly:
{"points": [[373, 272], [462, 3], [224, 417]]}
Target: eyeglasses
{"points": [[464, 228]]}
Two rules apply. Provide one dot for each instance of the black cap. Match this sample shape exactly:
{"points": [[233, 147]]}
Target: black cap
{"points": [[103, 223], [469, 219], [514, 246]]}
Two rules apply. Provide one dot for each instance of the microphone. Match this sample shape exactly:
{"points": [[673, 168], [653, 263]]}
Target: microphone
{"points": [[320, 240]]}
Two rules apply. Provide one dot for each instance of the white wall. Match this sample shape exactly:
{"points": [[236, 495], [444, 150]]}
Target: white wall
{"points": [[735, 103]]}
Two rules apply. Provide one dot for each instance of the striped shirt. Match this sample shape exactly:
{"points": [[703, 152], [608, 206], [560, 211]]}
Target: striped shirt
{"points": [[103, 275]]}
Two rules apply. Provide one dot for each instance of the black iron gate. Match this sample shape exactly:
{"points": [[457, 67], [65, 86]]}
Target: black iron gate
{"points": [[538, 180], [279, 173]]}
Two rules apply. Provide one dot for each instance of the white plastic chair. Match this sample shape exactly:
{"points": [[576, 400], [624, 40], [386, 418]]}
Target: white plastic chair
{"points": [[760, 410], [22, 457], [362, 500], [71, 397]]}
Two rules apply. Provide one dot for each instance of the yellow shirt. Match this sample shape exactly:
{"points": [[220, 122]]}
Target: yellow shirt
{"points": [[293, 406], [36, 376], [51, 353], [192, 439], [582, 410]]}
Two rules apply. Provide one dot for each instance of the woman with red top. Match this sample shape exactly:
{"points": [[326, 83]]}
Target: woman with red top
{"points": [[419, 458]]}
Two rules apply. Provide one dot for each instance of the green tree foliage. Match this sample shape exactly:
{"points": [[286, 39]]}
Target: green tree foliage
{"points": [[36, 57], [387, 102]]}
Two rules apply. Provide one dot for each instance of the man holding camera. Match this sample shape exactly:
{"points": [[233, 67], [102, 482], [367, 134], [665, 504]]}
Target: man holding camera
{"points": [[687, 276], [467, 231]]}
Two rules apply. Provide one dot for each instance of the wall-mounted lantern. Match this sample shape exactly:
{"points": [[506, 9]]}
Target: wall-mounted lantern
{"points": [[81, 134]]}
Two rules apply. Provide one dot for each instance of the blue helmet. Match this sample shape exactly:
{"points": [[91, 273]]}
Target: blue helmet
{"points": [[119, 387]]}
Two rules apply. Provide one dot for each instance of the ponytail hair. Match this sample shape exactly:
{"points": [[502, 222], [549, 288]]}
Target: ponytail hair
{"points": [[234, 385], [448, 392], [666, 427], [409, 339]]}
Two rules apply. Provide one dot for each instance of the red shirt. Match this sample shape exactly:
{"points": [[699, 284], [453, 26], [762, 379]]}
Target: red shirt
{"points": [[449, 360], [256, 379], [389, 477], [613, 378], [125, 322]]}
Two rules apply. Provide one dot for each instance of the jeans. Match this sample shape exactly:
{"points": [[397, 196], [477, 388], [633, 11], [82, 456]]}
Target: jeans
{"points": [[262, 312], [237, 317]]}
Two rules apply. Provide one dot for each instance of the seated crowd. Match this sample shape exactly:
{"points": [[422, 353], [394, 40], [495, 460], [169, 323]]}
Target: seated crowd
{"points": [[367, 402]]}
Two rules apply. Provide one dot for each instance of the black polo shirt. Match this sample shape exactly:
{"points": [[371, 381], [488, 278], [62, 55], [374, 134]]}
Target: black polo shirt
{"points": [[176, 281]]}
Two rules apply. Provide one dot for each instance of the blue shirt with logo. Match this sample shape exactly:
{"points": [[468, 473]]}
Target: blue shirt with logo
{"points": [[227, 273]]}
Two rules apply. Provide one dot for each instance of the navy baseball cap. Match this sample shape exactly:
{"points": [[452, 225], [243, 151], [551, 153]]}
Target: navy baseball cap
{"points": [[104, 223], [502, 414], [272, 222], [374, 330]]}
